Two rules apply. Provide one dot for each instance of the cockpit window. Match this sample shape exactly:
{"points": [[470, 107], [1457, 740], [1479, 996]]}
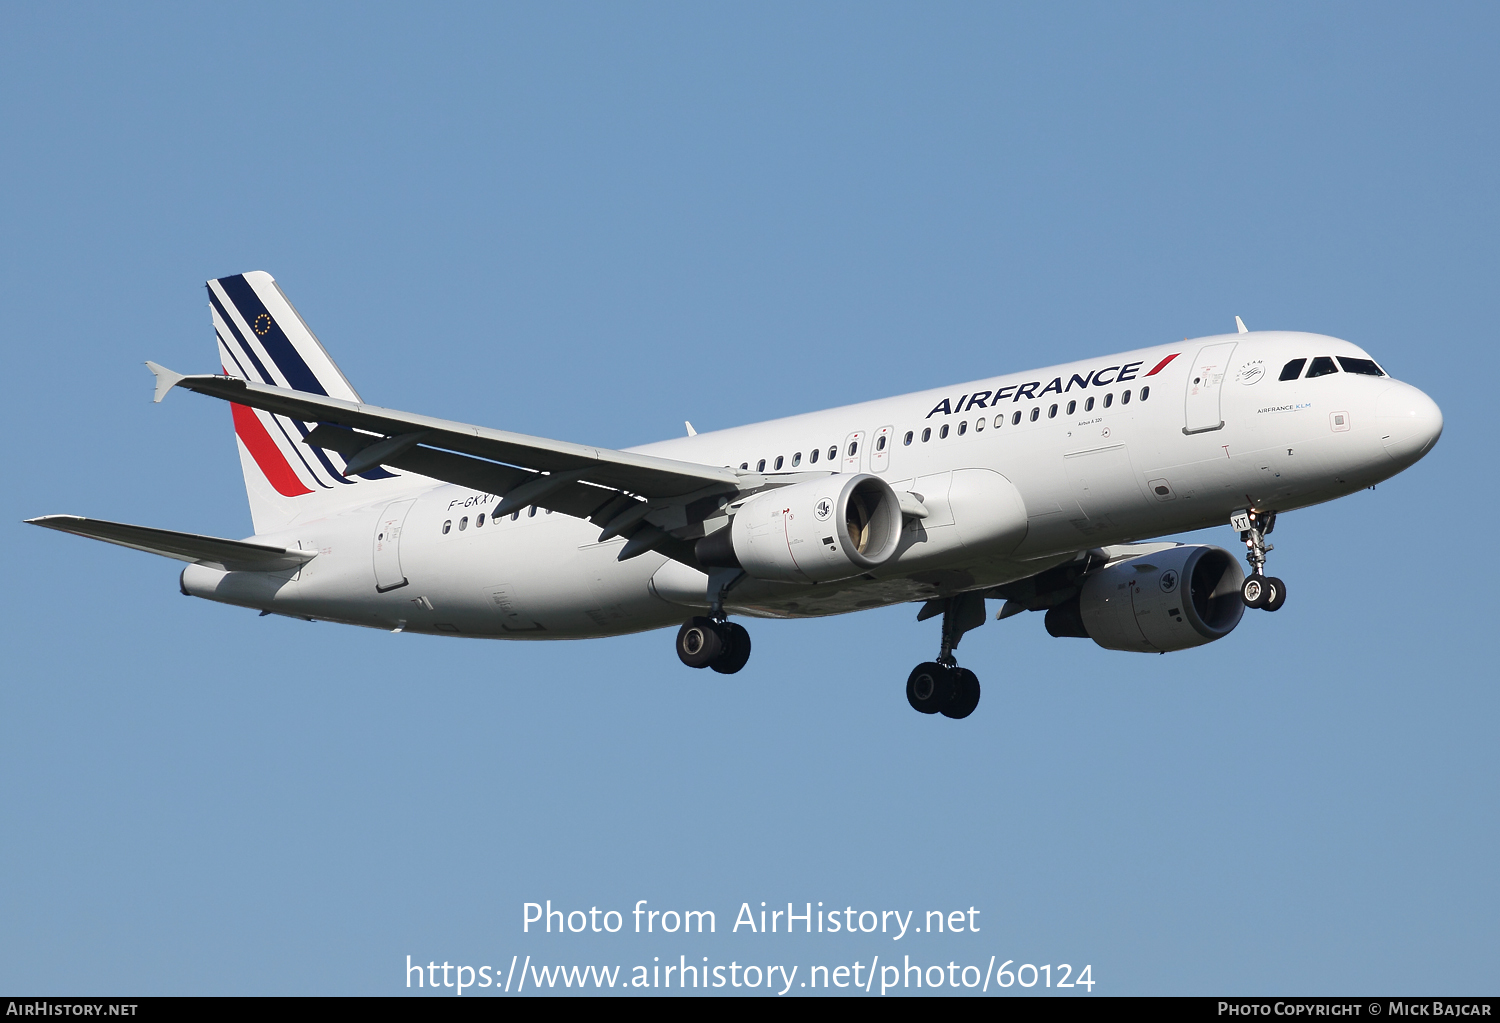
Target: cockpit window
{"points": [[1293, 369], [1366, 367], [1321, 367]]}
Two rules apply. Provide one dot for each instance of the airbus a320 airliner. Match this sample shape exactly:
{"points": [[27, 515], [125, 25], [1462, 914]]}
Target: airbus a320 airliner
{"points": [[1043, 489]]}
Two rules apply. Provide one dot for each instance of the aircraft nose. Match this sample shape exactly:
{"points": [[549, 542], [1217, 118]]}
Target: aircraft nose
{"points": [[1409, 422]]}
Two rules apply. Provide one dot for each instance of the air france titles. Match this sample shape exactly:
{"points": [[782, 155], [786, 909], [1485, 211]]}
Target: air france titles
{"points": [[1017, 392]]}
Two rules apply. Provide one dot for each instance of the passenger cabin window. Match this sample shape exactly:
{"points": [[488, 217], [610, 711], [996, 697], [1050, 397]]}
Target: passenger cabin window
{"points": [[1072, 407], [1035, 414], [1364, 367], [1109, 399], [1000, 420], [1052, 412], [979, 423], [880, 443], [479, 521], [907, 440], [853, 448], [833, 452], [1321, 367], [779, 461], [963, 427], [744, 465], [796, 460], [1014, 419], [1293, 369], [1145, 393], [814, 456], [1125, 398], [927, 435], [760, 466], [530, 514], [463, 523], [447, 526], [943, 431], [1088, 406]]}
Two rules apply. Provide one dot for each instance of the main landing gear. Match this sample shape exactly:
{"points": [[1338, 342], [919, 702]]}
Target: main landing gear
{"points": [[723, 646], [941, 686], [1259, 590], [715, 642]]}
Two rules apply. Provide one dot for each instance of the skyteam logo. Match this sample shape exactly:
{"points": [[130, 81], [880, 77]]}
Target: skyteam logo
{"points": [[823, 509], [1016, 392]]}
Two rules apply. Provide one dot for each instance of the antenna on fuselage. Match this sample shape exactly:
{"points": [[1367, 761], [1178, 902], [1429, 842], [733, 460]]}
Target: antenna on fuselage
{"points": [[691, 432], [1241, 324]]}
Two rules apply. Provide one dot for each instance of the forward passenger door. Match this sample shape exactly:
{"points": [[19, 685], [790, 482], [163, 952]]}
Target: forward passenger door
{"points": [[1204, 383]]}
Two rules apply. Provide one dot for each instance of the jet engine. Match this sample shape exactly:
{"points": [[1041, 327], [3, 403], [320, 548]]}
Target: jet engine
{"points": [[818, 531], [1173, 599]]}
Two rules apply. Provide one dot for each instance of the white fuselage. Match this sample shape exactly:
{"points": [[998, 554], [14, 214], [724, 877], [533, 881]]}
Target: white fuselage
{"points": [[1126, 468]]}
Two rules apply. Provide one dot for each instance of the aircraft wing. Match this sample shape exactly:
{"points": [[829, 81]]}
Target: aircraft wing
{"points": [[624, 492], [231, 555]]}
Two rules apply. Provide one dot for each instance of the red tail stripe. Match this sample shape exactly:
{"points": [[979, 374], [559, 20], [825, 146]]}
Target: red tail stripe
{"points": [[267, 455], [1163, 364]]}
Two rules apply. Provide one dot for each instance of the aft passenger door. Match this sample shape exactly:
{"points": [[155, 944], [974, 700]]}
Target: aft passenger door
{"points": [[388, 574], [1205, 381]]}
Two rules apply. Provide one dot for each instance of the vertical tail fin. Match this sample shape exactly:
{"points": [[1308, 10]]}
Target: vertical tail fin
{"points": [[263, 339]]}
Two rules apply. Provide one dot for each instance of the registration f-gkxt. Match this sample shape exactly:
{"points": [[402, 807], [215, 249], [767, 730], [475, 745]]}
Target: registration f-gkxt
{"points": [[1043, 489]]}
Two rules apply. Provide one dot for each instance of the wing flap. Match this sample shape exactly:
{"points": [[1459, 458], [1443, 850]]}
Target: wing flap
{"points": [[577, 499], [646, 475], [231, 555]]}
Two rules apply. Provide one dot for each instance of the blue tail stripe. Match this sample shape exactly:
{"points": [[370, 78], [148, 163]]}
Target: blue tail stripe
{"points": [[265, 378], [277, 345], [278, 419], [376, 473], [296, 372]]}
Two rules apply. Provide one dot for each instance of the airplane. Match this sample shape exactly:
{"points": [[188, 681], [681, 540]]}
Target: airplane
{"points": [[1046, 489]]}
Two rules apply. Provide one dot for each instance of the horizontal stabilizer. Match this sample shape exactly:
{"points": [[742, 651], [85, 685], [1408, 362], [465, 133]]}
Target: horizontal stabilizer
{"points": [[230, 555]]}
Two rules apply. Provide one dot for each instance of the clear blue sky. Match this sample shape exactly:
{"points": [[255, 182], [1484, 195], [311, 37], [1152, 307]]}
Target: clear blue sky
{"points": [[592, 222]]}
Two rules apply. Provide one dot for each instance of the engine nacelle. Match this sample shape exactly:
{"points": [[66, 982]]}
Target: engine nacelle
{"points": [[819, 531], [1174, 599]]}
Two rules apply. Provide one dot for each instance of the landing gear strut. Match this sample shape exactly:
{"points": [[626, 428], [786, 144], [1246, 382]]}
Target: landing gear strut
{"points": [[715, 642], [941, 686], [1259, 590]]}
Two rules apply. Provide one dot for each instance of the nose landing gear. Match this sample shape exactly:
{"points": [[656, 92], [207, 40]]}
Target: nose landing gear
{"points": [[1259, 590], [941, 686]]}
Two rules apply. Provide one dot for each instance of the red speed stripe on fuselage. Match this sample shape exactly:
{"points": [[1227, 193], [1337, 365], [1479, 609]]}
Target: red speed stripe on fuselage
{"points": [[1163, 364], [267, 455]]}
